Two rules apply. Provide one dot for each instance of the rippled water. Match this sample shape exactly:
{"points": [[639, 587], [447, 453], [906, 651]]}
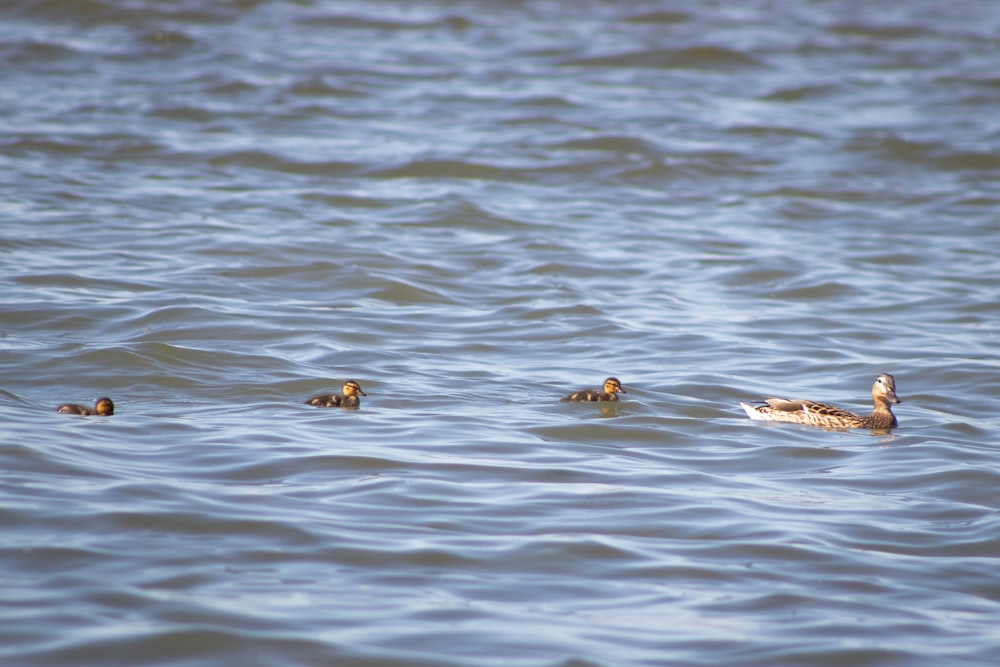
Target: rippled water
{"points": [[213, 211]]}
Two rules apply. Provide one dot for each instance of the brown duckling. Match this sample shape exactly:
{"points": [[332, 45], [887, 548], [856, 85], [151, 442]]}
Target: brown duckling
{"points": [[612, 387], [828, 416], [348, 399], [103, 406]]}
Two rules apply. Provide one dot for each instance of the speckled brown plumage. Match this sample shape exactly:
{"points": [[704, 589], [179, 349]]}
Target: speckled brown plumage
{"points": [[612, 387], [824, 415], [103, 407], [348, 399]]}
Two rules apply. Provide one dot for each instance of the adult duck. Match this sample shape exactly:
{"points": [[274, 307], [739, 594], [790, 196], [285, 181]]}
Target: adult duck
{"points": [[814, 413]]}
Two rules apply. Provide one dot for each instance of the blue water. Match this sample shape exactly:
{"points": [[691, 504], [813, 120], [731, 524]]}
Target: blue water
{"points": [[212, 213]]}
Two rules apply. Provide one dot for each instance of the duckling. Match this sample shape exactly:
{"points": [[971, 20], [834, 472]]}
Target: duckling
{"points": [[829, 416], [612, 387], [103, 407], [348, 399]]}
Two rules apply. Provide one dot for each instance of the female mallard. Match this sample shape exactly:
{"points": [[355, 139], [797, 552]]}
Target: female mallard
{"points": [[103, 407], [829, 416], [348, 399], [612, 387]]}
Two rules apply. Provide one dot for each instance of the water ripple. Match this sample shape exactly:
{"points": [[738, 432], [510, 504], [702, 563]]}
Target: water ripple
{"points": [[217, 211]]}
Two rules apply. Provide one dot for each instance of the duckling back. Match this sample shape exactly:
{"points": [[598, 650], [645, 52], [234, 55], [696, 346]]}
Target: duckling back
{"points": [[335, 401]]}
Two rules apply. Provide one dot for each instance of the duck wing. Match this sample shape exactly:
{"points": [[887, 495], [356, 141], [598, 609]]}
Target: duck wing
{"points": [[786, 405], [583, 395], [325, 401], [812, 407]]}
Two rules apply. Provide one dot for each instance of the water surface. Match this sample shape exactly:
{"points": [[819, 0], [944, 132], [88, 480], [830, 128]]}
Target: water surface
{"points": [[212, 213]]}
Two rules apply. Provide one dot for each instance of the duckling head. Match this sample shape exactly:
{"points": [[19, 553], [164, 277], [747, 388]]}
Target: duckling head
{"points": [[352, 388], [613, 386]]}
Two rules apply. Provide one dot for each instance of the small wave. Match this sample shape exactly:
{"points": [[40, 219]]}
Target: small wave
{"points": [[443, 168], [881, 32], [909, 151], [659, 17], [385, 23], [610, 143], [109, 12], [319, 86], [256, 159], [800, 92], [695, 57]]}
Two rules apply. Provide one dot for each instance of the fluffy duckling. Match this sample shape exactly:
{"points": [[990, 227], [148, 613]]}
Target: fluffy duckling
{"points": [[829, 416], [348, 399], [612, 387], [103, 407]]}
